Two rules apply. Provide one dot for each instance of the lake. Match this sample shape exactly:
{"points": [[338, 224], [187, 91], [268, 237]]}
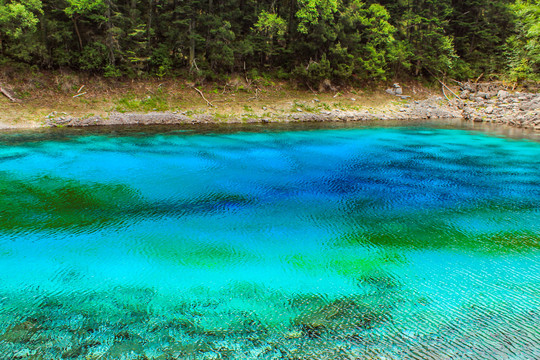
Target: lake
{"points": [[417, 241]]}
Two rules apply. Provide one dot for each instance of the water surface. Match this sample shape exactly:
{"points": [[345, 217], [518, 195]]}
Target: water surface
{"points": [[357, 242]]}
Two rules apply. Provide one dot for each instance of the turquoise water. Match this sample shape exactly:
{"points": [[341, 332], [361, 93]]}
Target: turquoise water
{"points": [[411, 242]]}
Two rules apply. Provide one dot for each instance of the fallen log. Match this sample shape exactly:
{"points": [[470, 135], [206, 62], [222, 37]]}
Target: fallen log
{"points": [[8, 94]]}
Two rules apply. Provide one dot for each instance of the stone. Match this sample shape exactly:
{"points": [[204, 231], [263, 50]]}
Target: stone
{"points": [[483, 95], [489, 110], [391, 91], [502, 94], [398, 91], [530, 105]]}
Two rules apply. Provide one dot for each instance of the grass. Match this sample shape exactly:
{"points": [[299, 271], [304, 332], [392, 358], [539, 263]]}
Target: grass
{"points": [[133, 103]]}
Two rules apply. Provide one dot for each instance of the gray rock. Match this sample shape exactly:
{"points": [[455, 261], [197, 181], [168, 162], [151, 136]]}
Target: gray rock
{"points": [[484, 95], [530, 105], [489, 110], [502, 94]]}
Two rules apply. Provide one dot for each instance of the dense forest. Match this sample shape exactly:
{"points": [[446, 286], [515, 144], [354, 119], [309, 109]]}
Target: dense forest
{"points": [[308, 40]]}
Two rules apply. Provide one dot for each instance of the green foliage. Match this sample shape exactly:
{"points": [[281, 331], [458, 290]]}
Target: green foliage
{"points": [[93, 57], [315, 72], [310, 40], [16, 17], [271, 25], [479, 29], [311, 12], [524, 46], [83, 7]]}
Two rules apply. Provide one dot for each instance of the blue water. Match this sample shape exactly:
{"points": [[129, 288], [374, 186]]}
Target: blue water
{"points": [[312, 243]]}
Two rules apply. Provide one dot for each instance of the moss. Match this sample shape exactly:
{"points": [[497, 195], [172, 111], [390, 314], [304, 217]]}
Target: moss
{"points": [[56, 203]]}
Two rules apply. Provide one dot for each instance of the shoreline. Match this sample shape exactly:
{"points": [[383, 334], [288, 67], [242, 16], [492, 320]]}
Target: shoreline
{"points": [[475, 103], [423, 109]]}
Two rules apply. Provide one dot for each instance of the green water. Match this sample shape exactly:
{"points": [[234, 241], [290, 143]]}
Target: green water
{"points": [[396, 242]]}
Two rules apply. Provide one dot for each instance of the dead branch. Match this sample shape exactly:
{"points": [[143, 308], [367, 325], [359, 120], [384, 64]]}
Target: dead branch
{"points": [[444, 93], [77, 95], [444, 86], [224, 89], [202, 95], [9, 94], [256, 95]]}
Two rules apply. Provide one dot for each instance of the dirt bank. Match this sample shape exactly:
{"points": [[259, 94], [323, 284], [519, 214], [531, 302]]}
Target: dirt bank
{"points": [[71, 101]]}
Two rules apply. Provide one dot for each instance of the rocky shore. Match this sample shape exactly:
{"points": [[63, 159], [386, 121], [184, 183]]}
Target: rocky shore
{"points": [[493, 105]]}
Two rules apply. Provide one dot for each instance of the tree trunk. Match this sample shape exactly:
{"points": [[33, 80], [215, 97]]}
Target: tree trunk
{"points": [[149, 30], [78, 33], [110, 40], [191, 45]]}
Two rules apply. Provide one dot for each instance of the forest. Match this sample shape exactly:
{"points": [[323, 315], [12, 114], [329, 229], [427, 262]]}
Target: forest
{"points": [[304, 40]]}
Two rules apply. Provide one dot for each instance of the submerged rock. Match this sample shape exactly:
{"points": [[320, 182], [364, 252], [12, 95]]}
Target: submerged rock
{"points": [[22, 332], [341, 315], [126, 348]]}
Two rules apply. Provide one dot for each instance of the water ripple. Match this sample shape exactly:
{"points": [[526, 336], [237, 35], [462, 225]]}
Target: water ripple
{"points": [[373, 242]]}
